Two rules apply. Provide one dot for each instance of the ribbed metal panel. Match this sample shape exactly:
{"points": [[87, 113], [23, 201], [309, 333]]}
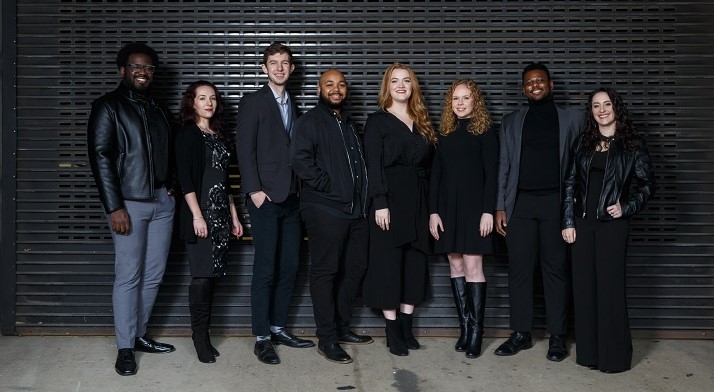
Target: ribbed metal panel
{"points": [[658, 53]]}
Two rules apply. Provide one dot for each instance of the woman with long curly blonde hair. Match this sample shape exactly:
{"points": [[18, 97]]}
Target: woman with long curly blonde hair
{"points": [[462, 200], [399, 142]]}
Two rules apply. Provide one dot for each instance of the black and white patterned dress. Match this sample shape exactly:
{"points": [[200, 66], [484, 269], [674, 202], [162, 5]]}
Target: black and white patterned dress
{"points": [[207, 256]]}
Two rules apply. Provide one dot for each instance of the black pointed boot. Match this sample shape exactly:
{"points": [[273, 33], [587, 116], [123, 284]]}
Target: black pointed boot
{"points": [[458, 288], [476, 294], [405, 321], [200, 308], [395, 339]]}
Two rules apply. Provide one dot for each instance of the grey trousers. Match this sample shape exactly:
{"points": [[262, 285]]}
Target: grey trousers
{"points": [[139, 264]]}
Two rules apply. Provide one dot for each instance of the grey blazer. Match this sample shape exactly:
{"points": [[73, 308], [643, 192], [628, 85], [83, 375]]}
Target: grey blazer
{"points": [[571, 123], [263, 145]]}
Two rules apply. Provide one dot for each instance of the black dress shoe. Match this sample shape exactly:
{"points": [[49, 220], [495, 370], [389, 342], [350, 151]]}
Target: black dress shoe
{"points": [[290, 340], [557, 351], [516, 342], [265, 352], [149, 345], [333, 352], [350, 337], [126, 364]]}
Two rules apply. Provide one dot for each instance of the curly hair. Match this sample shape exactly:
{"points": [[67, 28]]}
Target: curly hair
{"points": [[187, 115], [416, 107], [136, 48], [480, 120], [623, 125]]}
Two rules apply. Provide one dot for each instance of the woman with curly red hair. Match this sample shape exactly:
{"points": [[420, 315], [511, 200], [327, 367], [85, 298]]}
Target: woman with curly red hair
{"points": [[462, 199]]}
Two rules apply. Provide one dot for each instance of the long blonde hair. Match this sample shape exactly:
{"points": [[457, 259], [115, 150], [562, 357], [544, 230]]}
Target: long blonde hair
{"points": [[416, 108], [480, 120]]}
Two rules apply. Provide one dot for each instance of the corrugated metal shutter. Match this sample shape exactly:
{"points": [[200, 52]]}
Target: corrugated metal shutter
{"points": [[658, 53]]}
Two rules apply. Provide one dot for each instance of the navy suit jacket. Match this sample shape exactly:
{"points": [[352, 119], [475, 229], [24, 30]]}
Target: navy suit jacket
{"points": [[263, 145], [571, 123]]}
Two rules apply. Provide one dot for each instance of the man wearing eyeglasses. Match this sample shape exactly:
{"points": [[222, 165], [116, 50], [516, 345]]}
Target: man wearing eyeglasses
{"points": [[128, 142]]}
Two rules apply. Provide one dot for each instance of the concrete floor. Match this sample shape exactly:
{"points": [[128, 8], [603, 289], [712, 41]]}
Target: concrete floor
{"points": [[74, 364]]}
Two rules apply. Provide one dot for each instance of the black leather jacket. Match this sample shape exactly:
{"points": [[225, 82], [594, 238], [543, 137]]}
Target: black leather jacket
{"points": [[620, 169], [119, 146]]}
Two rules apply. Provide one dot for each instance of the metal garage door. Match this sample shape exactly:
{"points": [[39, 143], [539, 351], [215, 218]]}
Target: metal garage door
{"points": [[658, 53]]}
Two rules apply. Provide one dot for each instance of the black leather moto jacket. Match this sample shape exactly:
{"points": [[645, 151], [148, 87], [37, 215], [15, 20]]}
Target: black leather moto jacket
{"points": [[621, 167], [119, 146]]}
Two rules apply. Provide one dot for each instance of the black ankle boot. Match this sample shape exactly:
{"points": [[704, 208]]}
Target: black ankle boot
{"points": [[200, 308], [458, 288], [395, 339], [476, 293], [405, 321]]}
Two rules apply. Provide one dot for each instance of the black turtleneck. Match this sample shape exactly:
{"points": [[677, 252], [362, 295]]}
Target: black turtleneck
{"points": [[540, 157]]}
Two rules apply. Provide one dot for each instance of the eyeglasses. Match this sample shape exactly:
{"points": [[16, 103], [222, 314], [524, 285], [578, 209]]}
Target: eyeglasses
{"points": [[136, 67]]}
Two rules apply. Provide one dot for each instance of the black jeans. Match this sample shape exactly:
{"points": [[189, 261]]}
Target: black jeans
{"points": [[338, 261], [276, 238]]}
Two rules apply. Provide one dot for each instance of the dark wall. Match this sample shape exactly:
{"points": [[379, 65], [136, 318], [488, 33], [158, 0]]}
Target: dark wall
{"points": [[657, 53]]}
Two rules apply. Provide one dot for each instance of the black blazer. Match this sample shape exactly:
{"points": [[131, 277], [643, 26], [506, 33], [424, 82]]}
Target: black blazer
{"points": [[263, 145], [571, 123]]}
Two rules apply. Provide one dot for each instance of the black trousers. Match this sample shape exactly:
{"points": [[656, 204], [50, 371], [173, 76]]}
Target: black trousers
{"points": [[395, 275], [602, 326], [533, 234], [338, 260], [276, 238]]}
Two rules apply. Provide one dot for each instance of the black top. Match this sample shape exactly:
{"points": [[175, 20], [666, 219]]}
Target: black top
{"points": [[540, 167], [398, 164], [463, 187], [595, 180]]}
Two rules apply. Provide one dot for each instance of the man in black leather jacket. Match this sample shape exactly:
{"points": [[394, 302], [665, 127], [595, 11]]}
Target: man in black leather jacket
{"points": [[128, 142]]}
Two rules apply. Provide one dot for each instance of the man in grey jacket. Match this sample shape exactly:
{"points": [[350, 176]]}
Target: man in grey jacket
{"points": [[534, 151]]}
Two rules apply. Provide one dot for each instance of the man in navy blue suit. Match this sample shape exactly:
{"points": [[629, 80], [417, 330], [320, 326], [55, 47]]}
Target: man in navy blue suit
{"points": [[265, 120]]}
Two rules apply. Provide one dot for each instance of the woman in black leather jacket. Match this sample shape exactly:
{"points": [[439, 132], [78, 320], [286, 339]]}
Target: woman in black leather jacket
{"points": [[597, 205]]}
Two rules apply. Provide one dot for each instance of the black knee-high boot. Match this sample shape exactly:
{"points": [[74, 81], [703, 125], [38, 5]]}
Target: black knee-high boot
{"points": [[200, 306], [458, 288], [405, 321], [476, 293], [395, 338], [210, 314]]}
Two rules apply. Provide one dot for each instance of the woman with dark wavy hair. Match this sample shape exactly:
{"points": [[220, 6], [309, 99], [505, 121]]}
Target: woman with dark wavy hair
{"points": [[208, 214], [462, 200], [399, 141], [609, 179]]}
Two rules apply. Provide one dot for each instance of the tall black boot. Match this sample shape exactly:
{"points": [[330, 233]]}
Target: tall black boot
{"points": [[476, 293], [200, 308], [210, 315], [458, 288], [405, 321], [395, 339]]}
